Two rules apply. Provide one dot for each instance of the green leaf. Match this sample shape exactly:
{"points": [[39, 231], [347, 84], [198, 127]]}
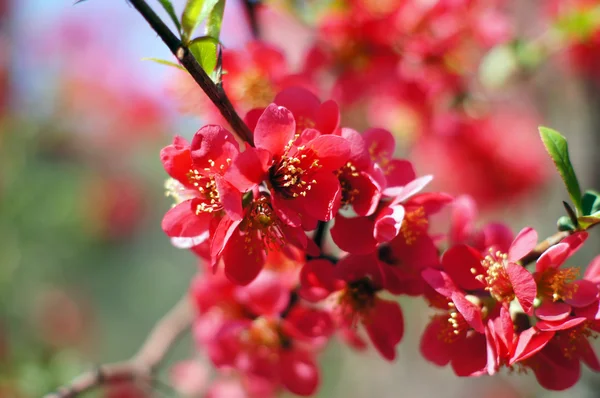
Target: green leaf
{"points": [[204, 50], [164, 62], [590, 202], [194, 13], [168, 6], [586, 222], [565, 224], [215, 19], [557, 147]]}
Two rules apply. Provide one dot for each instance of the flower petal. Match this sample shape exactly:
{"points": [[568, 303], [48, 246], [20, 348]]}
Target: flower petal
{"points": [[244, 257], [584, 293], [332, 151], [553, 311], [249, 168], [433, 347], [299, 372], [523, 285], [275, 129], [354, 235], [318, 280], [552, 258], [385, 327], [388, 223], [463, 263], [182, 222], [530, 342], [523, 244]]}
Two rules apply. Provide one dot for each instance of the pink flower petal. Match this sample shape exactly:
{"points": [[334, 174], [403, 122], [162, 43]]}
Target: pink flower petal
{"points": [[471, 312], [275, 128], [249, 168], [433, 347], [552, 258], [388, 223], [592, 273], [243, 258], [182, 222], [553, 311], [524, 286], [584, 293], [299, 372], [530, 342], [410, 189], [385, 327], [458, 261], [398, 174], [523, 244], [354, 235], [332, 151]]}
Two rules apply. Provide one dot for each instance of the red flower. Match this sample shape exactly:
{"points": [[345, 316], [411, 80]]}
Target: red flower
{"points": [[405, 215], [298, 169], [498, 273], [244, 243], [557, 287], [354, 282], [557, 365], [198, 186]]}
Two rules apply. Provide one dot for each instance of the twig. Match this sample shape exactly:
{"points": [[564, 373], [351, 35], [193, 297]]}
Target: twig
{"points": [[142, 366], [543, 246], [187, 60]]}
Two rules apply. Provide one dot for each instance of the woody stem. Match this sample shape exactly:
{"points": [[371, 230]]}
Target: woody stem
{"points": [[186, 59]]}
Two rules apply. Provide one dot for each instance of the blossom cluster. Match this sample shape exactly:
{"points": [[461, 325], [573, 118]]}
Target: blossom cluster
{"points": [[406, 65], [271, 293]]}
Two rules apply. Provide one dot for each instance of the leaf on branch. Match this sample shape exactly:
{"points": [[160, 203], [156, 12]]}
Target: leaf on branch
{"points": [[195, 12], [204, 49], [168, 6], [590, 202], [557, 147], [586, 222], [165, 62], [215, 19], [565, 224]]}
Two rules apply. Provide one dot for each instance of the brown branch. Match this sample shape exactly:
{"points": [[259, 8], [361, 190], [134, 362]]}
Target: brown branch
{"points": [[187, 60], [543, 246], [140, 367]]}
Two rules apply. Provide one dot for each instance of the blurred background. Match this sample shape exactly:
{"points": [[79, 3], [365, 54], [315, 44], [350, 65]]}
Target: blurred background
{"points": [[85, 270]]}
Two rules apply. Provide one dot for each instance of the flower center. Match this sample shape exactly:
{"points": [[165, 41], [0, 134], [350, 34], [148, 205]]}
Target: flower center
{"points": [[495, 277], [557, 283], [263, 333], [357, 299], [454, 327], [292, 176], [209, 200], [255, 89], [570, 341], [346, 174], [263, 221], [413, 225]]}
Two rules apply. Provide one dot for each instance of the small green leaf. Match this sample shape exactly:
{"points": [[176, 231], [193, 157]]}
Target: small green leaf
{"points": [[164, 62], [590, 202], [215, 19], [557, 147], [586, 222], [194, 13], [168, 6], [565, 224], [204, 50]]}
